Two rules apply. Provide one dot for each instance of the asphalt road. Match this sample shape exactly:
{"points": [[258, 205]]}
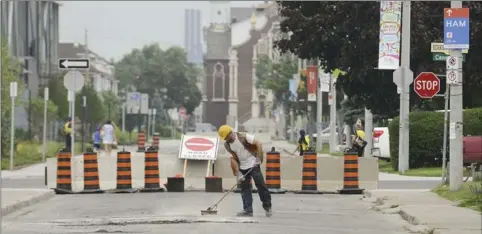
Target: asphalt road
{"points": [[174, 213]]}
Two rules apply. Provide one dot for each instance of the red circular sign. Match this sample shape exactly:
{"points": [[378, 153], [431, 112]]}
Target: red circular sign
{"points": [[426, 85], [182, 111], [199, 144]]}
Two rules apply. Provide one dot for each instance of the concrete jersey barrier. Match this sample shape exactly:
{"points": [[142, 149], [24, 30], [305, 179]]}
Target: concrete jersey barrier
{"points": [[330, 172]]}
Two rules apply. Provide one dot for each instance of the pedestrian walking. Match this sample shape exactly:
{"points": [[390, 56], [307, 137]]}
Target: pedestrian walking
{"points": [[68, 134], [108, 138], [97, 139], [246, 157], [359, 140], [303, 143]]}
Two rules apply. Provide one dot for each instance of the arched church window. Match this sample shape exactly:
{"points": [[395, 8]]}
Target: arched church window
{"points": [[218, 81]]}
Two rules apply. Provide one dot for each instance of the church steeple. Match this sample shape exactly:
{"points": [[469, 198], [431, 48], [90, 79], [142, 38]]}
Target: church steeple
{"points": [[220, 15]]}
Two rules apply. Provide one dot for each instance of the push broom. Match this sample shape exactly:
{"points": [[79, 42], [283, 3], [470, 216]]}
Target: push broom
{"points": [[212, 210]]}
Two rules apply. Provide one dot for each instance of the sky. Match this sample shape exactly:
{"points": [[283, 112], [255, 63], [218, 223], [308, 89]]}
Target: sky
{"points": [[114, 28]]}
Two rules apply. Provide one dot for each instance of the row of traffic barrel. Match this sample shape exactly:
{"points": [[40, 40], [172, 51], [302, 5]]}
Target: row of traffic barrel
{"points": [[152, 183]]}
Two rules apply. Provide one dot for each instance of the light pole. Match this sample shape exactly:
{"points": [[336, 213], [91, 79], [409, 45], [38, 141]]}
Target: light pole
{"points": [[13, 94], [154, 112], [44, 136], [84, 110]]}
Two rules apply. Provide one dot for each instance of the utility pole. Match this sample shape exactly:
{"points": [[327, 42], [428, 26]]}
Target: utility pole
{"points": [[86, 40], [368, 132], [332, 103], [44, 138], [13, 95], [403, 147], [456, 122]]}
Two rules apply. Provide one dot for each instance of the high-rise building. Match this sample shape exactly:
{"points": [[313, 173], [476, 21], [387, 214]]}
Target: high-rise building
{"points": [[192, 36]]}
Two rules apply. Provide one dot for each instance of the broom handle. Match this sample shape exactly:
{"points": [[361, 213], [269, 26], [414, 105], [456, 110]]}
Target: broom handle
{"points": [[234, 186]]}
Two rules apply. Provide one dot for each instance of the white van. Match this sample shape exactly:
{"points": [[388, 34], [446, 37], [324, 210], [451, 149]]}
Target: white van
{"points": [[381, 143]]}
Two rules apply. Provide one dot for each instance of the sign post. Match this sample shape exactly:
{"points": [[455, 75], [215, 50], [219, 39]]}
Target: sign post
{"points": [[427, 85], [456, 38], [154, 112], [13, 95], [44, 137], [73, 82]]}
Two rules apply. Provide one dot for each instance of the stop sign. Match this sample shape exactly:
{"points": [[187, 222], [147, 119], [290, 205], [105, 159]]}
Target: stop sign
{"points": [[426, 85]]}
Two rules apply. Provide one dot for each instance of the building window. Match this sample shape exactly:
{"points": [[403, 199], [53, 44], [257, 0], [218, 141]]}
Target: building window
{"points": [[218, 81]]}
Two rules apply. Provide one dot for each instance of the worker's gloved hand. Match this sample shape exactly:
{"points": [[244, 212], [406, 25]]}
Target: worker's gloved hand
{"points": [[240, 176]]}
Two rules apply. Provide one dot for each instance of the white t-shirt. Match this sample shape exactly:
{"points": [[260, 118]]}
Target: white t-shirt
{"points": [[246, 159], [108, 134]]}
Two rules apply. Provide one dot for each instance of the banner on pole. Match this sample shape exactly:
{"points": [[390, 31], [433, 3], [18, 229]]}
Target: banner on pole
{"points": [[389, 40], [311, 82]]}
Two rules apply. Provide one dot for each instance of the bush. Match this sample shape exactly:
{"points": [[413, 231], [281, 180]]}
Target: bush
{"points": [[426, 136], [28, 153]]}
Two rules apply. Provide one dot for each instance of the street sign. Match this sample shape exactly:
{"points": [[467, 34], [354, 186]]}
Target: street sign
{"points": [[452, 77], [74, 81], [456, 28], [398, 73], [198, 147], [443, 57], [438, 47], [427, 85], [133, 103], [453, 62], [325, 81], [72, 63], [182, 111], [144, 103]]}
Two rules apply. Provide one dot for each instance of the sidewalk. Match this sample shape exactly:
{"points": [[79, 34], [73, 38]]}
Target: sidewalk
{"points": [[428, 212], [30, 171], [15, 199]]}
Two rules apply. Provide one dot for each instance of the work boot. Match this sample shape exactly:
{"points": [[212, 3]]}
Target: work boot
{"points": [[244, 214], [268, 212]]}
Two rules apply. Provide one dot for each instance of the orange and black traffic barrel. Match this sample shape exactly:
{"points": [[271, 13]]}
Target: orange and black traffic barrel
{"points": [[273, 172], [309, 180], [91, 174], [155, 141], [64, 173], [124, 173], [141, 142], [151, 171], [350, 173]]}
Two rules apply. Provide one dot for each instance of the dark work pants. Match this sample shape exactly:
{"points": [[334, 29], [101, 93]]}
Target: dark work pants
{"points": [[246, 194], [68, 142]]}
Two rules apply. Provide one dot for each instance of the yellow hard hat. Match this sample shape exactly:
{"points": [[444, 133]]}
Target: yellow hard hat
{"points": [[224, 131]]}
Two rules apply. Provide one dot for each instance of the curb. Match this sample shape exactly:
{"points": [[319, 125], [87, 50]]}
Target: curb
{"points": [[417, 226], [22, 204]]}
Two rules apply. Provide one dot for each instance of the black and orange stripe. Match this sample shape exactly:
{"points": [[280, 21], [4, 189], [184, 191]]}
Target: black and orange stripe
{"points": [[64, 172], [273, 172], [151, 171], [350, 174], [309, 179], [141, 142], [124, 173], [91, 174]]}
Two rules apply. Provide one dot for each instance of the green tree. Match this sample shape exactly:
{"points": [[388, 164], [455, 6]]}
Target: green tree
{"points": [[150, 69], [96, 111], [345, 35], [112, 105], [37, 105], [58, 95], [10, 73]]}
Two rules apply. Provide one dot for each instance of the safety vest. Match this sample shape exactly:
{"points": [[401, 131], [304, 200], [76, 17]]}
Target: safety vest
{"points": [[304, 146], [241, 137], [67, 129]]}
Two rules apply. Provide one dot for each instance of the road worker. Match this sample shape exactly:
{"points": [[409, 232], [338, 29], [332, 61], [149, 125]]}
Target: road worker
{"points": [[68, 134], [246, 157]]}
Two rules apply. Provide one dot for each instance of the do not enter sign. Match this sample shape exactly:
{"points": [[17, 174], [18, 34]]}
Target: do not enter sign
{"points": [[199, 144], [198, 147], [427, 85]]}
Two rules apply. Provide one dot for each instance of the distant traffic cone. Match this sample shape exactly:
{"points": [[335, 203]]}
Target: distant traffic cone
{"points": [[350, 174], [64, 173], [141, 142], [151, 171], [91, 174], [155, 141], [124, 173]]}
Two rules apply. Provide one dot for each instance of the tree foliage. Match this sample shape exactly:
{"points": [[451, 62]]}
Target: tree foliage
{"points": [[10, 73], [275, 76], [150, 69], [37, 111], [345, 35]]}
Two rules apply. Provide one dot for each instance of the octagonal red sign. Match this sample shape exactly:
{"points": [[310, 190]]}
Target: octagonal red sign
{"points": [[199, 144], [426, 85]]}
